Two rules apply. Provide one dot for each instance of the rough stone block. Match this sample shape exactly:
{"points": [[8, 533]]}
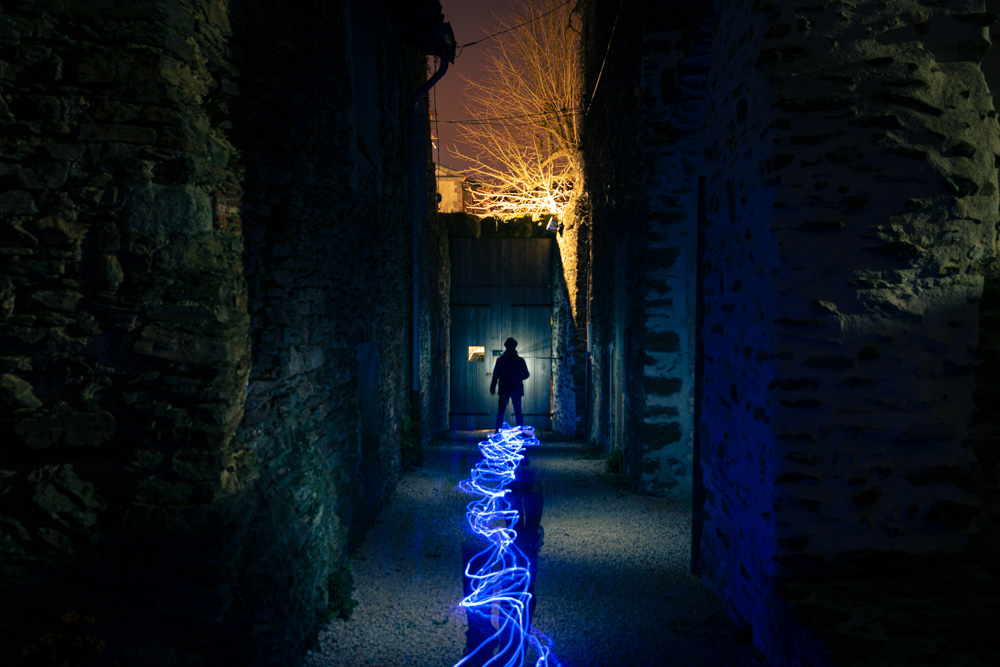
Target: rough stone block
{"points": [[64, 301], [182, 347], [16, 202], [663, 386], [167, 210], [66, 426], [17, 393], [657, 436], [56, 231], [67, 498], [662, 341], [44, 175]]}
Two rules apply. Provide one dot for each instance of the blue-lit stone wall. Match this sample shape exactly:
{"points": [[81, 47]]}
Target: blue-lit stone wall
{"points": [[674, 64], [740, 261], [642, 181], [852, 208]]}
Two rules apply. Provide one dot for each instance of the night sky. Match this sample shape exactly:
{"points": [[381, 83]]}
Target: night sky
{"points": [[470, 20]]}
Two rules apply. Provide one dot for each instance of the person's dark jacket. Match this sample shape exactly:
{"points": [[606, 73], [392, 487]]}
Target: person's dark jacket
{"points": [[511, 372]]}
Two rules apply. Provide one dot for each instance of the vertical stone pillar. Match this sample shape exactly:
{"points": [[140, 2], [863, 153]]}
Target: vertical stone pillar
{"points": [[571, 306], [675, 57]]}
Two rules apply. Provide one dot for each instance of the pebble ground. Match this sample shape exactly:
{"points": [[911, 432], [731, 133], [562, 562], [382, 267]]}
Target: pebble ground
{"points": [[613, 586]]}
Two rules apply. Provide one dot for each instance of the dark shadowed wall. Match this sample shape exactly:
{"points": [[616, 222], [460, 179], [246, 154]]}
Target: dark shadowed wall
{"points": [[613, 174], [205, 346]]}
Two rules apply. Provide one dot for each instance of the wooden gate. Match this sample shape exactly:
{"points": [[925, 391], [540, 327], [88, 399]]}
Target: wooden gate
{"points": [[500, 288]]}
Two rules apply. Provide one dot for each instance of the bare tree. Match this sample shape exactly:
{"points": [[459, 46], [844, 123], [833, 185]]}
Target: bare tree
{"points": [[523, 134]]}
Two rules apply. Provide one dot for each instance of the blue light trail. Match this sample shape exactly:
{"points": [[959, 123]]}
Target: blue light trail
{"points": [[500, 573]]}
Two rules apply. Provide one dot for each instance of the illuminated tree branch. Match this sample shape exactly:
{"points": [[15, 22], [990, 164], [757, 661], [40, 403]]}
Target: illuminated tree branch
{"points": [[530, 164]]}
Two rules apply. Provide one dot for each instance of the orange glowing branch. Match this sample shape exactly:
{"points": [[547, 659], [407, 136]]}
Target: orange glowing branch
{"points": [[531, 163]]}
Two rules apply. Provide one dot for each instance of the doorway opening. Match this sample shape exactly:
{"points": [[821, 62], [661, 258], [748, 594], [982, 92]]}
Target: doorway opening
{"points": [[500, 288]]}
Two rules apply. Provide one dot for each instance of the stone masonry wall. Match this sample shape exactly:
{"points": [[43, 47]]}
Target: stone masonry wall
{"points": [[435, 379], [986, 417], [571, 311], [204, 344], [894, 315], [569, 398], [737, 442], [644, 189], [327, 263], [613, 179], [676, 53], [852, 208], [124, 337]]}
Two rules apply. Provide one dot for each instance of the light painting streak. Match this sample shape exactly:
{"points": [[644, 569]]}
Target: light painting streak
{"points": [[500, 573]]}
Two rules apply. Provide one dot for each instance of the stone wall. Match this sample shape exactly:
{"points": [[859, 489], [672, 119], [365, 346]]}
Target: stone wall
{"points": [[737, 445], [125, 339], [613, 176], [648, 68], [847, 285], [569, 329], [327, 268], [987, 396], [675, 56], [571, 313], [435, 333], [205, 335], [852, 208]]}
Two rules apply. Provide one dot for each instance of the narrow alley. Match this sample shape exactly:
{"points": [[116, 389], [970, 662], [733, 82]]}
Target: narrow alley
{"points": [[748, 251]]}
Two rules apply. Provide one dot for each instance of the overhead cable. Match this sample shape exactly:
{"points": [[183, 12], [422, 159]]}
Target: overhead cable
{"points": [[520, 25], [603, 62]]}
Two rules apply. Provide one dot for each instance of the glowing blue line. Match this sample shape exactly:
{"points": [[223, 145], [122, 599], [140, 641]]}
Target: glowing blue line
{"points": [[499, 573]]}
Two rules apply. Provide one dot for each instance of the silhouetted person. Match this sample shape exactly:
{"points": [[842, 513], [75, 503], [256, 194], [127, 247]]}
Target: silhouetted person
{"points": [[510, 372]]}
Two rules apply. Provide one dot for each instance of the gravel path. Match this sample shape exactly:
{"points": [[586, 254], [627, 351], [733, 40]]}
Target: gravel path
{"points": [[612, 587]]}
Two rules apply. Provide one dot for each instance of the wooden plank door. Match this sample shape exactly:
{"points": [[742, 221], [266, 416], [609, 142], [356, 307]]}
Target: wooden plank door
{"points": [[531, 326], [500, 288]]}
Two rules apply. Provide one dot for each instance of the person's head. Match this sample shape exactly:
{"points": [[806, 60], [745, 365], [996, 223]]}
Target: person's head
{"points": [[510, 344]]}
